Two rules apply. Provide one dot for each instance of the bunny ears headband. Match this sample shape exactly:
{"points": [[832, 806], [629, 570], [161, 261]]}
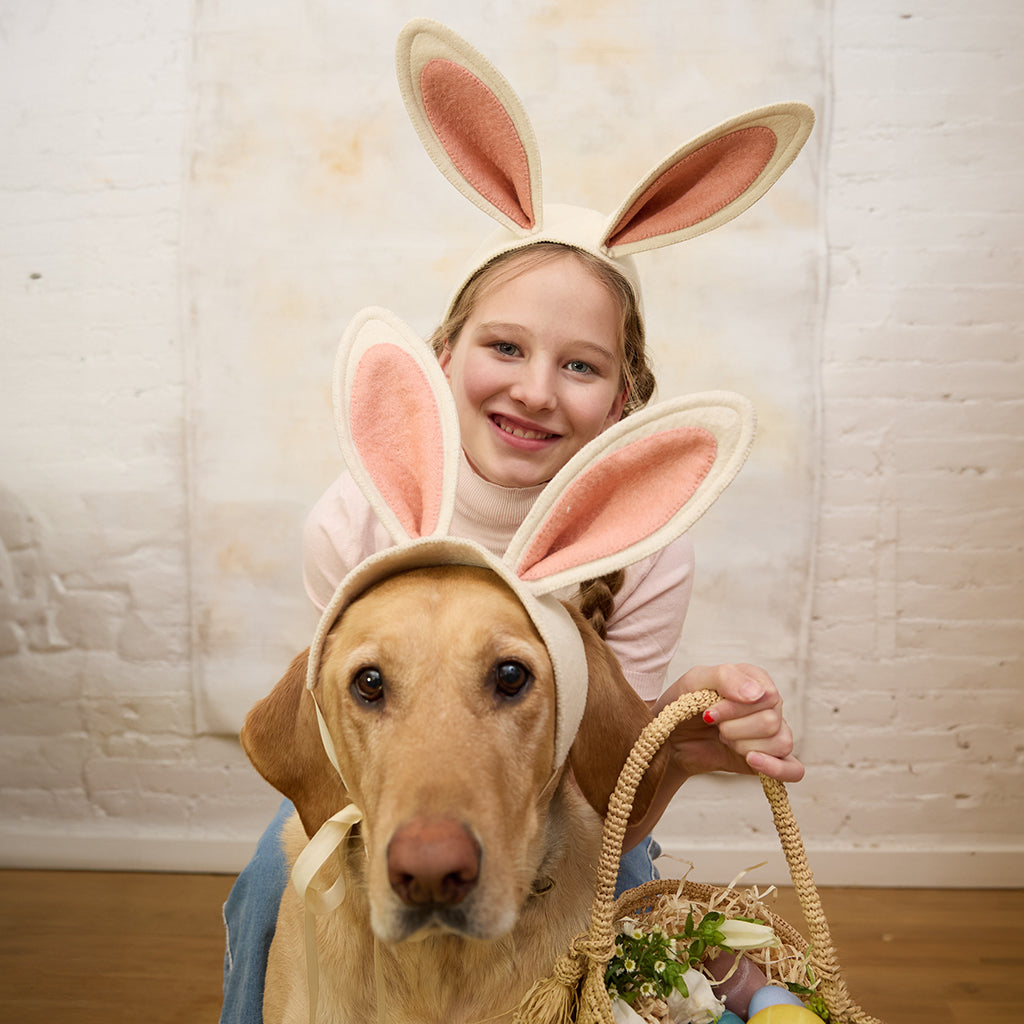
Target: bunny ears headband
{"points": [[399, 434], [475, 129]]}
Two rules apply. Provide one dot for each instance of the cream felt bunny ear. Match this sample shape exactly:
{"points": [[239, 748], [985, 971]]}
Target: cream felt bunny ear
{"points": [[471, 123], [711, 180], [397, 425], [633, 489]]}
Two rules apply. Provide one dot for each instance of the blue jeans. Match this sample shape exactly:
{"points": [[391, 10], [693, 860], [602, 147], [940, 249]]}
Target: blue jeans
{"points": [[250, 916]]}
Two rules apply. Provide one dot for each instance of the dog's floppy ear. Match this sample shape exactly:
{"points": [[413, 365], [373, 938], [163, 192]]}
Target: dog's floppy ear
{"points": [[282, 739], [614, 717]]}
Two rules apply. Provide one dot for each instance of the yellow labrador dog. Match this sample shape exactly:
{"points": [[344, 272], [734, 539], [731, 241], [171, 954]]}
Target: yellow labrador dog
{"points": [[472, 870]]}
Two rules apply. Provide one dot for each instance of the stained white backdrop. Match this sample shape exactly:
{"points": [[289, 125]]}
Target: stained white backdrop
{"points": [[308, 196]]}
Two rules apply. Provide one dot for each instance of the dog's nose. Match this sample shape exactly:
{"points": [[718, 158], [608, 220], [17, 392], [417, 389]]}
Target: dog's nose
{"points": [[433, 862]]}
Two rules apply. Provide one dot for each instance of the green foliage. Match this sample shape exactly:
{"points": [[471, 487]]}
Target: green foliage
{"points": [[814, 1001], [652, 964]]}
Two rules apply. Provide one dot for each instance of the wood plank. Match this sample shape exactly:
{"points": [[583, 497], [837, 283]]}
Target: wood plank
{"points": [[107, 948], [99, 948]]}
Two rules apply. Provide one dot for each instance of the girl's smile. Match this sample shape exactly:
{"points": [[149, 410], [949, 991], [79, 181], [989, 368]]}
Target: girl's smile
{"points": [[518, 430], [536, 371]]}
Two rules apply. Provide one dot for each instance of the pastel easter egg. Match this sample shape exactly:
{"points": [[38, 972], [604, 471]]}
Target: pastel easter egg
{"points": [[772, 995], [785, 1013], [737, 990]]}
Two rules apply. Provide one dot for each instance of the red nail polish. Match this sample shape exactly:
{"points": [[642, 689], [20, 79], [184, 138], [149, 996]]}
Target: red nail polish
{"points": [[709, 717]]}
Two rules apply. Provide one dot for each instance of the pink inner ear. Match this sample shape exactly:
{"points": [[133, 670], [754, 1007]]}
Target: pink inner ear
{"points": [[697, 187], [479, 136], [621, 499], [396, 429]]}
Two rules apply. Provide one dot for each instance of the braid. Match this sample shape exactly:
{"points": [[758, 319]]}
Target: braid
{"points": [[597, 599]]}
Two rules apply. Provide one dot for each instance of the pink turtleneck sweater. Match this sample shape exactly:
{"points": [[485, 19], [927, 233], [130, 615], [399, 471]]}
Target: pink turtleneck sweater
{"points": [[645, 624]]}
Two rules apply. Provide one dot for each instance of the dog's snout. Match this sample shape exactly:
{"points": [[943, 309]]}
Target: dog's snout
{"points": [[433, 862]]}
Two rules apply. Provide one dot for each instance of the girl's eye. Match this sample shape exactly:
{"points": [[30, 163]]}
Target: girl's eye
{"points": [[368, 685], [506, 348], [511, 678], [578, 366]]}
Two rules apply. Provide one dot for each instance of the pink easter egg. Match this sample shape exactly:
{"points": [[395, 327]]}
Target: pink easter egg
{"points": [[736, 991]]}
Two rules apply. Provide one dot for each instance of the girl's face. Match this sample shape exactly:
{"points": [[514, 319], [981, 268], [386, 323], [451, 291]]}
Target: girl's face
{"points": [[536, 371]]}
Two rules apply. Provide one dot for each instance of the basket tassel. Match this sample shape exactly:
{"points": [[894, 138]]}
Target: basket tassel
{"points": [[553, 1000]]}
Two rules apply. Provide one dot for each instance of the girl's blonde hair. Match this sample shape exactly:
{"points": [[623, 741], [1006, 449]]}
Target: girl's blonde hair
{"points": [[596, 597]]}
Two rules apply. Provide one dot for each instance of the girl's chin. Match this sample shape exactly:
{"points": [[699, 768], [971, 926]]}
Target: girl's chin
{"points": [[512, 473]]}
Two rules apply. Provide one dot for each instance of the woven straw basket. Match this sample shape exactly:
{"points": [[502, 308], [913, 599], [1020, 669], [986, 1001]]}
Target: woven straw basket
{"points": [[576, 991]]}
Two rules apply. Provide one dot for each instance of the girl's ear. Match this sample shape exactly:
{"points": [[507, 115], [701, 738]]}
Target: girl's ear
{"points": [[444, 359], [615, 413]]}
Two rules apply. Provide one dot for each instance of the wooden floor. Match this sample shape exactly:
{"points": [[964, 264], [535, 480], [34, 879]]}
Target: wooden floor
{"points": [[95, 948]]}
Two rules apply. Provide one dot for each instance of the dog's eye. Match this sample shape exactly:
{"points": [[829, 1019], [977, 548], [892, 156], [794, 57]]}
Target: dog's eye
{"points": [[368, 685], [511, 678]]}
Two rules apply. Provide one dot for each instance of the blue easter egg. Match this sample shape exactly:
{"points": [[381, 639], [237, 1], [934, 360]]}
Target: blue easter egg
{"points": [[730, 1018], [772, 995]]}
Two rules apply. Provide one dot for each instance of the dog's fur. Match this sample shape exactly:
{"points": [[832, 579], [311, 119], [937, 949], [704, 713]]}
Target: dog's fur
{"points": [[443, 753]]}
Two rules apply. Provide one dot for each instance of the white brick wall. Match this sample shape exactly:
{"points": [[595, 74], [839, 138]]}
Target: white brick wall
{"points": [[917, 637], [99, 759], [911, 718]]}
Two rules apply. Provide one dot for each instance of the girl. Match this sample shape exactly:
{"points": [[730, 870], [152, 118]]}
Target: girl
{"points": [[543, 350]]}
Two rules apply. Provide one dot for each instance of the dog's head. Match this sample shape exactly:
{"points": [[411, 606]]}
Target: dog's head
{"points": [[439, 696]]}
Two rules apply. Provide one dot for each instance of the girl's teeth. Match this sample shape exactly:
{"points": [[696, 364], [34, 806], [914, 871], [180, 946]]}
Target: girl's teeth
{"points": [[530, 435]]}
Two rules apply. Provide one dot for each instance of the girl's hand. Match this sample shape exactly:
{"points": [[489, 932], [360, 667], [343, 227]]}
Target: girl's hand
{"points": [[743, 732]]}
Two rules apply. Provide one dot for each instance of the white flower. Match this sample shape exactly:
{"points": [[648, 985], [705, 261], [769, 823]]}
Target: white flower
{"points": [[741, 935], [624, 1013], [700, 1006]]}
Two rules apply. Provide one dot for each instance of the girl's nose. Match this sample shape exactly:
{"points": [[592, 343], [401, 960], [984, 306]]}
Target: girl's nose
{"points": [[535, 387]]}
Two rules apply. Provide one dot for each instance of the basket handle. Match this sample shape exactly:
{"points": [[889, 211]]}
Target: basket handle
{"points": [[602, 935]]}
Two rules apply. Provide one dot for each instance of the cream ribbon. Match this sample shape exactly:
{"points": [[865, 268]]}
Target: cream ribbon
{"points": [[330, 837]]}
